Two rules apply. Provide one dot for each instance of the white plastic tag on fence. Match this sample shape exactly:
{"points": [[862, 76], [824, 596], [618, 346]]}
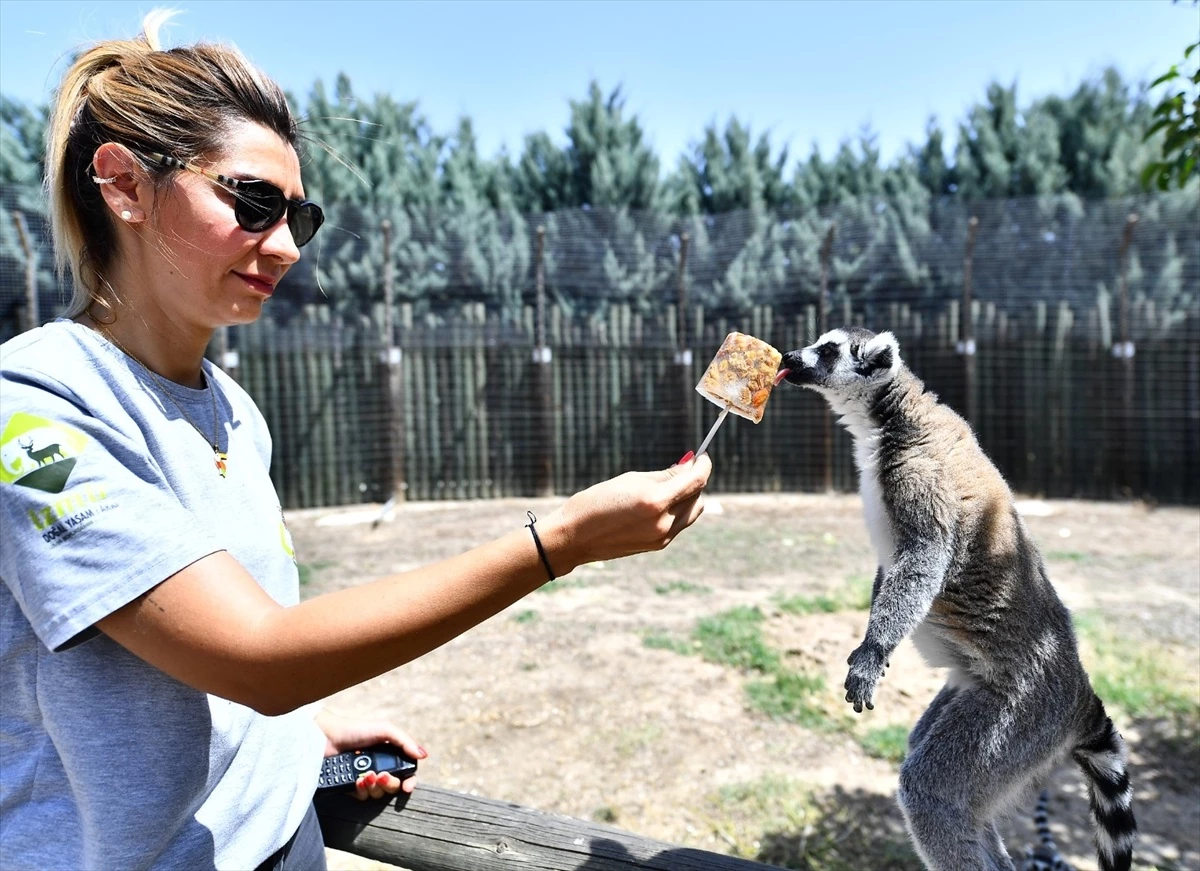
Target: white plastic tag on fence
{"points": [[966, 348], [684, 357], [230, 360], [542, 355], [391, 356], [1123, 350]]}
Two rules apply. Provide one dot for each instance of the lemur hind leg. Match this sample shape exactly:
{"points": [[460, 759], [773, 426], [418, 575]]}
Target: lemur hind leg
{"points": [[997, 852], [948, 838], [965, 761]]}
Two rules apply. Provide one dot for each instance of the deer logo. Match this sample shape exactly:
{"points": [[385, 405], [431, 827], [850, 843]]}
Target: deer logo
{"points": [[38, 452], [42, 455]]}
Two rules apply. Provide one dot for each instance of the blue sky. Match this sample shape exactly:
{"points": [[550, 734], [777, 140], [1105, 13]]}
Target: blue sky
{"points": [[808, 72]]}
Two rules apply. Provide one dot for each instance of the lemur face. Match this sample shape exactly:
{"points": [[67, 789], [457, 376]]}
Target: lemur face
{"points": [[843, 363]]}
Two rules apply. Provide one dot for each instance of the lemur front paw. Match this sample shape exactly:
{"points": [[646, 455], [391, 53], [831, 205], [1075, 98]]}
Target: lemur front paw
{"points": [[866, 663]]}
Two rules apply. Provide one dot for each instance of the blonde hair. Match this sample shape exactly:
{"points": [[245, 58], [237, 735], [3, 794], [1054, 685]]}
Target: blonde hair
{"points": [[179, 101]]}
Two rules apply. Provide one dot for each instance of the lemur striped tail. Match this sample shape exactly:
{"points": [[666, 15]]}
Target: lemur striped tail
{"points": [[1102, 755], [1041, 819], [1044, 857]]}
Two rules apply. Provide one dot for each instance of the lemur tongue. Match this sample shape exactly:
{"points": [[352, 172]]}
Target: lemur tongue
{"points": [[783, 373]]}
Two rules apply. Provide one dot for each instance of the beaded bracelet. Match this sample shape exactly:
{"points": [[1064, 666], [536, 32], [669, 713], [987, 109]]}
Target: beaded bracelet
{"points": [[538, 542]]}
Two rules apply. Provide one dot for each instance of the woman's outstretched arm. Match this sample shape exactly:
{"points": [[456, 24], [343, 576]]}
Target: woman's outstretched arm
{"points": [[212, 627]]}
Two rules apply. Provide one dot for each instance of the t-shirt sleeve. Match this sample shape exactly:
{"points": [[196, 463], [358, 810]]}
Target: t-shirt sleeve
{"points": [[88, 521]]}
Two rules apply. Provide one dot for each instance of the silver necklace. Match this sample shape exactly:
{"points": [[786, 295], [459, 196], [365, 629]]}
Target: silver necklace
{"points": [[219, 457]]}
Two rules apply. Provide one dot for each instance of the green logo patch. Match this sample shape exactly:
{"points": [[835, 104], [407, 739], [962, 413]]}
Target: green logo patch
{"points": [[39, 453]]}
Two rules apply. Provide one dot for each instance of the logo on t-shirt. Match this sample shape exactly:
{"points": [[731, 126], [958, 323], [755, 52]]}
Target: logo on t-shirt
{"points": [[39, 453]]}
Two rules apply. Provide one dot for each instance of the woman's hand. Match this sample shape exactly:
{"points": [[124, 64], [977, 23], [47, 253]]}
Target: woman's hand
{"points": [[631, 513], [345, 733]]}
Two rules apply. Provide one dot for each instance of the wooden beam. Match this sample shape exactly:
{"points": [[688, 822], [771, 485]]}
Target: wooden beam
{"points": [[439, 830]]}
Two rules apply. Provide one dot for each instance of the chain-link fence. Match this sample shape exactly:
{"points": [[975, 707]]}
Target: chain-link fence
{"points": [[487, 353]]}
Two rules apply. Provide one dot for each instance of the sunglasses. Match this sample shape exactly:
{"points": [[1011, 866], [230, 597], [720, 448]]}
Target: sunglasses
{"points": [[258, 205]]}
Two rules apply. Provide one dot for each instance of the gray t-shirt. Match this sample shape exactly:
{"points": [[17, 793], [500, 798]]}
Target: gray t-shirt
{"points": [[106, 489]]}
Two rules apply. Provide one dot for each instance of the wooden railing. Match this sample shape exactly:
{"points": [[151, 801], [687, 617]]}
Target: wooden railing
{"points": [[439, 830]]}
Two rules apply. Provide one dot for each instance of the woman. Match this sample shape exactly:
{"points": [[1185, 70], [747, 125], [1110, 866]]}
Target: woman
{"points": [[159, 671]]}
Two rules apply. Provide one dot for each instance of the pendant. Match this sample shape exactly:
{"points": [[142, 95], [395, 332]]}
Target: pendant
{"points": [[220, 458]]}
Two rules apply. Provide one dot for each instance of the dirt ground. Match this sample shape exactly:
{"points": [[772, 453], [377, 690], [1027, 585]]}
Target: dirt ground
{"points": [[559, 704]]}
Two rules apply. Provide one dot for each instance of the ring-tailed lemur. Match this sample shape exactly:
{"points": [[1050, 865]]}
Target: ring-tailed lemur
{"points": [[960, 573], [1044, 857]]}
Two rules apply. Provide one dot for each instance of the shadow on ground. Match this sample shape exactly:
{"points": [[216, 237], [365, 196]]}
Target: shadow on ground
{"points": [[860, 830], [1167, 753], [851, 830]]}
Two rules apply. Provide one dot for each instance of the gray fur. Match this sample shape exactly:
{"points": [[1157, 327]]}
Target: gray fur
{"points": [[960, 574]]}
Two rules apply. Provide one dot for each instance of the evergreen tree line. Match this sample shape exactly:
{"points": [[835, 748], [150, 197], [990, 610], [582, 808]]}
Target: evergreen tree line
{"points": [[1051, 182]]}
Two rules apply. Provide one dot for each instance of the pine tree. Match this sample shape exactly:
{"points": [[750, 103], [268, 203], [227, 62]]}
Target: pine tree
{"points": [[373, 161], [487, 239], [22, 142], [1002, 152], [728, 171], [934, 171], [606, 162], [1099, 135]]}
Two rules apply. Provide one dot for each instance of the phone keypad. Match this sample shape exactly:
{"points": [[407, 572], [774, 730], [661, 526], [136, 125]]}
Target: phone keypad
{"points": [[338, 770], [345, 768]]}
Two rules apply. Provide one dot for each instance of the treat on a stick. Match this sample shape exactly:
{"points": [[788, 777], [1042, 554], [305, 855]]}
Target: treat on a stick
{"points": [[739, 379]]}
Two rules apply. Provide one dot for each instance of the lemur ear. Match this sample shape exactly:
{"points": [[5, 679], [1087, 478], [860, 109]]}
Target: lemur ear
{"points": [[881, 354]]}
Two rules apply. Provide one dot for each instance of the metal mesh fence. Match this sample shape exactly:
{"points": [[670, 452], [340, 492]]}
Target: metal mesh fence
{"points": [[488, 353]]}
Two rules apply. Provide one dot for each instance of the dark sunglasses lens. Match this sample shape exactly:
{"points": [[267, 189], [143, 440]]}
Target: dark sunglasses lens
{"points": [[259, 205], [304, 221]]}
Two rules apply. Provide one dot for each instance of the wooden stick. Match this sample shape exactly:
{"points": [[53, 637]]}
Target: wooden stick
{"points": [[712, 432]]}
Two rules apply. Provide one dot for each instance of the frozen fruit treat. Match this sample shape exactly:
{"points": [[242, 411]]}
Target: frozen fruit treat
{"points": [[741, 376]]}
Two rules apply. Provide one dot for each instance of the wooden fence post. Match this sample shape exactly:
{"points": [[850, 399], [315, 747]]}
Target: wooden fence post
{"points": [[392, 358], [966, 332], [822, 328], [32, 315], [1124, 351], [683, 353], [1191, 449], [543, 398]]}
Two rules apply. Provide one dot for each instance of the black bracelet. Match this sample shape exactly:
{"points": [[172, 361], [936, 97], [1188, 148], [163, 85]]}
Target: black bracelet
{"points": [[538, 542]]}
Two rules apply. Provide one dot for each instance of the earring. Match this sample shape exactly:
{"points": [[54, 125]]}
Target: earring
{"points": [[126, 215], [99, 180]]}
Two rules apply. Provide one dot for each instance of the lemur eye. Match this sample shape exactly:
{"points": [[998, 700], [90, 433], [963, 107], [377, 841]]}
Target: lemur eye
{"points": [[828, 351]]}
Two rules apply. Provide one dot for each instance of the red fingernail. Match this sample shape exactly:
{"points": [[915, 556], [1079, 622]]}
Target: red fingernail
{"points": [[686, 457]]}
